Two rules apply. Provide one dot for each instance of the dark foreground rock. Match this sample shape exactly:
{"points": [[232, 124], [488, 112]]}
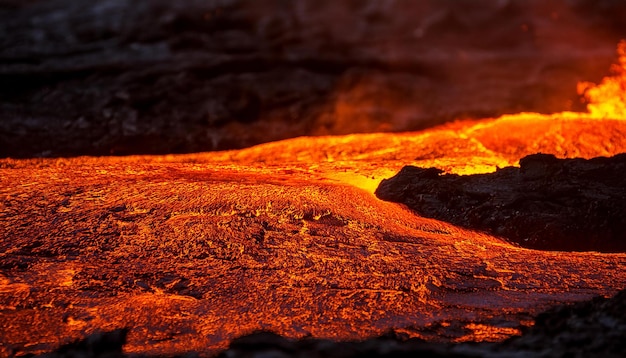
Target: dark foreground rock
{"points": [[102, 345], [155, 76], [592, 328], [547, 203]]}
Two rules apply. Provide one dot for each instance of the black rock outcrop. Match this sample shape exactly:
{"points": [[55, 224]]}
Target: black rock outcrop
{"points": [[102, 344], [547, 203], [593, 328]]}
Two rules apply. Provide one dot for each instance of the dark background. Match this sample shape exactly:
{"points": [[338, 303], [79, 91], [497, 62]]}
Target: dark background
{"points": [[154, 76]]}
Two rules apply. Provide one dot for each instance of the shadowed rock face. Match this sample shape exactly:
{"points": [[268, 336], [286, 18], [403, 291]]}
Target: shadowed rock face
{"points": [[547, 203], [155, 76]]}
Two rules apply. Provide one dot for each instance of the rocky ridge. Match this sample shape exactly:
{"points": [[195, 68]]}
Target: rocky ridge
{"points": [[546, 203]]}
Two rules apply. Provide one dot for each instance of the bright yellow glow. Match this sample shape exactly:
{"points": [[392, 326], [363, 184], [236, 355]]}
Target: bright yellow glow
{"points": [[608, 99]]}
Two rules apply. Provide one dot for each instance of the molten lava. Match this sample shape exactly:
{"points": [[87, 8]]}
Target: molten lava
{"points": [[191, 251], [608, 100]]}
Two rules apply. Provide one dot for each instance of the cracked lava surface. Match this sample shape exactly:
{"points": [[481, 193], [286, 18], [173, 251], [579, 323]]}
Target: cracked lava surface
{"points": [[191, 251]]}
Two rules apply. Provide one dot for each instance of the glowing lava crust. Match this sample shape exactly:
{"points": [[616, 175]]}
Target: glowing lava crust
{"points": [[191, 251]]}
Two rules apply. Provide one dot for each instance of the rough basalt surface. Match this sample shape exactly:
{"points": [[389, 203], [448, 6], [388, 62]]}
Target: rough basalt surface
{"points": [[155, 76], [546, 203]]}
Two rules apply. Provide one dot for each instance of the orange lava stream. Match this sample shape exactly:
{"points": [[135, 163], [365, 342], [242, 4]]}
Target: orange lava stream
{"points": [[190, 251]]}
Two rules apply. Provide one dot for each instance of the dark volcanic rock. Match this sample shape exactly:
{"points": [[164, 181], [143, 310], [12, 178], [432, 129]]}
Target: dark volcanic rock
{"points": [[547, 203], [593, 328], [264, 344], [154, 76], [102, 345]]}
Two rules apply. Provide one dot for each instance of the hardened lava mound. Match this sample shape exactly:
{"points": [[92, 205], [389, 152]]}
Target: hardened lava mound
{"points": [[546, 203]]}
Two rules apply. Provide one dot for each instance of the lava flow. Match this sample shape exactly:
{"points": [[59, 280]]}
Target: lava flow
{"points": [[191, 251]]}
